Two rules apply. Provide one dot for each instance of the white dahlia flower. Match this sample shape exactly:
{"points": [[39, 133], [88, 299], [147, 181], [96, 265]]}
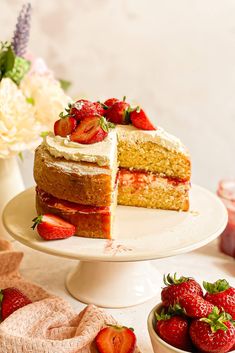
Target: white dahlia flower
{"points": [[18, 128], [47, 95]]}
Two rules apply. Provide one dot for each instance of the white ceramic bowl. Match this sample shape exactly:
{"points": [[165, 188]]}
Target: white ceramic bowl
{"points": [[159, 346]]}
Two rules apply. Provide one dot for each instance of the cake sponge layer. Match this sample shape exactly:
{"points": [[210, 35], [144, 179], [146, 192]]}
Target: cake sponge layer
{"points": [[80, 182], [153, 151], [152, 191]]}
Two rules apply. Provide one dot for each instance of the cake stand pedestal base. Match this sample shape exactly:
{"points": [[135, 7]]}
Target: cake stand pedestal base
{"points": [[114, 284]]}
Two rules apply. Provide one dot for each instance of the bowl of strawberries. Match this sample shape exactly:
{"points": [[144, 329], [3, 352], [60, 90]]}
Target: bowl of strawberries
{"points": [[191, 320]]}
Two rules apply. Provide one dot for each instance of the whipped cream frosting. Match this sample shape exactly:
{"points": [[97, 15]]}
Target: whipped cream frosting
{"points": [[103, 153], [159, 136]]}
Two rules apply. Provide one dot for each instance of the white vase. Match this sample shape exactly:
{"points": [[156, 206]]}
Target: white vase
{"points": [[11, 183]]}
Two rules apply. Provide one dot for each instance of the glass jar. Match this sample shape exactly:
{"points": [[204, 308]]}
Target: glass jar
{"points": [[226, 191]]}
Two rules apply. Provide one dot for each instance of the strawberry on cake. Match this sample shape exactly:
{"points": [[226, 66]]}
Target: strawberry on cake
{"points": [[104, 153]]}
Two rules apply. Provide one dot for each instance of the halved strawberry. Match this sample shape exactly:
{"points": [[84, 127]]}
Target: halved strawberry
{"points": [[140, 120], [116, 339], [12, 299], [91, 129], [109, 102], [51, 227], [65, 126], [82, 108], [119, 113]]}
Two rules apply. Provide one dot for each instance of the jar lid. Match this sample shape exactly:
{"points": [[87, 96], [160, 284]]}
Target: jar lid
{"points": [[226, 189]]}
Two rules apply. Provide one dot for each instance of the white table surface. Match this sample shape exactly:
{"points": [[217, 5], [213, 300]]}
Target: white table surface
{"points": [[49, 272]]}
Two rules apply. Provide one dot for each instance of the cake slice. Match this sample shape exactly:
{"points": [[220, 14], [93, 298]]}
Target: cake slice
{"points": [[154, 169], [78, 182], [90, 221]]}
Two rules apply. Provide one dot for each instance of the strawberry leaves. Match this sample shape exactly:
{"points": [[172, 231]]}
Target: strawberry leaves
{"points": [[217, 320], [36, 220], [169, 280], [219, 286], [106, 125]]}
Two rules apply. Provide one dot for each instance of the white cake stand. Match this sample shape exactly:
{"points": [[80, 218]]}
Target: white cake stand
{"points": [[111, 273]]}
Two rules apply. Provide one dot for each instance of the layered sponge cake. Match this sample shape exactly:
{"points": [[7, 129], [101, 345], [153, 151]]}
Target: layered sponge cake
{"points": [[88, 165], [78, 182], [154, 169]]}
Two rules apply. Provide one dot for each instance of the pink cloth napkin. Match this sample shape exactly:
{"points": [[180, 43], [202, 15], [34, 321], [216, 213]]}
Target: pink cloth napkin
{"points": [[48, 325]]}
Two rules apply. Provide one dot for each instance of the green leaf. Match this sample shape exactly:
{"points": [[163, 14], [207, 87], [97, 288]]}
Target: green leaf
{"points": [[65, 84], [37, 220], [17, 73], [217, 287], [30, 100], [163, 315], [104, 106], [44, 133], [110, 125], [176, 309], [62, 115], [20, 155], [1, 296], [106, 125], [127, 116], [9, 59], [169, 280], [217, 320]]}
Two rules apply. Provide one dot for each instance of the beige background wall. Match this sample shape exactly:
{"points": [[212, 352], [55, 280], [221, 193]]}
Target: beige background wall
{"points": [[175, 57]]}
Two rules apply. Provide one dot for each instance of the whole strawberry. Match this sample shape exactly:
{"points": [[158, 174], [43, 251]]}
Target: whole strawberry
{"points": [[195, 306], [109, 102], [116, 339], [51, 227], [100, 110], [82, 108], [222, 295], [140, 120], [173, 330], [176, 288], [214, 334], [11, 300], [119, 113]]}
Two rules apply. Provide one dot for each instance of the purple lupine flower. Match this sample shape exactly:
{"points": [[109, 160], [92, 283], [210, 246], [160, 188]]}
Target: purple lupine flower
{"points": [[22, 29]]}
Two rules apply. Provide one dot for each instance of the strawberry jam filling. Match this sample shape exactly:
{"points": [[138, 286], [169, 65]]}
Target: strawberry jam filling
{"points": [[68, 206], [142, 178]]}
